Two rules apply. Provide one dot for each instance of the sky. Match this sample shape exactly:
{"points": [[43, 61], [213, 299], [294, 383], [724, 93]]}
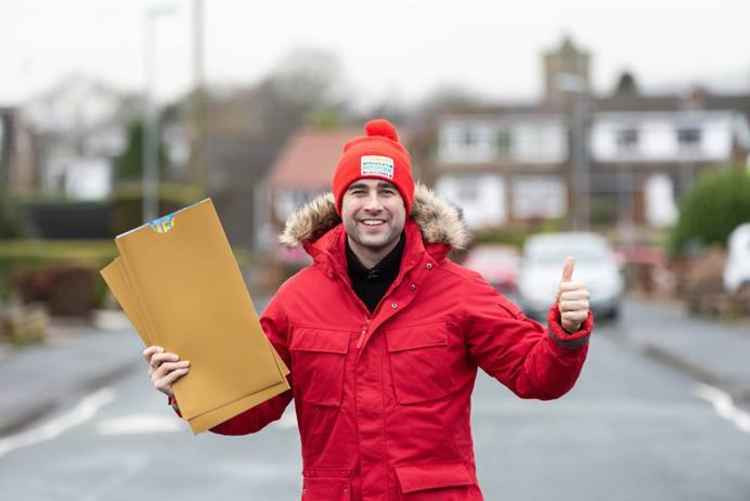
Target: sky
{"points": [[390, 50]]}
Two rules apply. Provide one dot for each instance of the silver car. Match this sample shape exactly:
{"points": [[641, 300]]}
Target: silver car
{"points": [[737, 269], [595, 265]]}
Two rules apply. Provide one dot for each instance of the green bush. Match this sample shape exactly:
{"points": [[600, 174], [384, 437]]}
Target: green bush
{"points": [[23, 256], [9, 225], [717, 204]]}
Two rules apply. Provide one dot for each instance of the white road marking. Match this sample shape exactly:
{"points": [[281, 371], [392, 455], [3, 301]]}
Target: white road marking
{"points": [[139, 423], [724, 406], [85, 410]]}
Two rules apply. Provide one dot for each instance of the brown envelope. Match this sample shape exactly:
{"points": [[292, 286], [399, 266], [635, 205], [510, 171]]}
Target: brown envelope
{"points": [[180, 285], [212, 418], [116, 280]]}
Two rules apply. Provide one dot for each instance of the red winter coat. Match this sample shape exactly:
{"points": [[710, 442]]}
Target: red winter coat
{"points": [[382, 399]]}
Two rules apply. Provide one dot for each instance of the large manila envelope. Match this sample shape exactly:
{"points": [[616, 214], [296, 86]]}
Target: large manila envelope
{"points": [[210, 419], [189, 297], [116, 280]]}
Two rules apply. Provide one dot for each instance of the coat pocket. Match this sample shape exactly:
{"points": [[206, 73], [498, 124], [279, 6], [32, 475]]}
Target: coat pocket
{"points": [[447, 482], [421, 363], [326, 489], [318, 364]]}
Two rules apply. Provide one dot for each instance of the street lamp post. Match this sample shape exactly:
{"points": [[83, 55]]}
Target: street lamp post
{"points": [[576, 87], [150, 150]]}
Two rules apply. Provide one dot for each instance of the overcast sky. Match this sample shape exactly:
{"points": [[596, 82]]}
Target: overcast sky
{"points": [[388, 48]]}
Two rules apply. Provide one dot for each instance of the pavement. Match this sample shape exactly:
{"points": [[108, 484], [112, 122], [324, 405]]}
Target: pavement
{"points": [[711, 351], [79, 358]]}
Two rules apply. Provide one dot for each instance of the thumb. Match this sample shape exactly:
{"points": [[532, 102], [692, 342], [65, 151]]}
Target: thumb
{"points": [[568, 269]]}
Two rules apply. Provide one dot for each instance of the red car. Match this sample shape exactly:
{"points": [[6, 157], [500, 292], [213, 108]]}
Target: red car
{"points": [[498, 264]]}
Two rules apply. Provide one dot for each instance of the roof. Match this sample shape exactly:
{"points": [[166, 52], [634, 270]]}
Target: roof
{"points": [[493, 110], [308, 159], [623, 102], [674, 102]]}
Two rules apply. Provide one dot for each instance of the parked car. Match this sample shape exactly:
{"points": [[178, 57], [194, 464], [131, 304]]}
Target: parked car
{"points": [[737, 268], [595, 264], [498, 264]]}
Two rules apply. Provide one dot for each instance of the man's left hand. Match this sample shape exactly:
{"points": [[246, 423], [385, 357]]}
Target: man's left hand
{"points": [[572, 299]]}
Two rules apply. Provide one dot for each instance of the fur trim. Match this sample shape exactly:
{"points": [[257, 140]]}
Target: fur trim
{"points": [[439, 221], [311, 221]]}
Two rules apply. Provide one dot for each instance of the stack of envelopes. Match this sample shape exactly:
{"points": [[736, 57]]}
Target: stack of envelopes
{"points": [[178, 282]]}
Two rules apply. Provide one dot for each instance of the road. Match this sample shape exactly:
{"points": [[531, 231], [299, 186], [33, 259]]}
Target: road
{"points": [[630, 430]]}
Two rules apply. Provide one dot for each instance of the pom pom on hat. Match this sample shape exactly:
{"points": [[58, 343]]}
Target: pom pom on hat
{"points": [[381, 127], [382, 140]]}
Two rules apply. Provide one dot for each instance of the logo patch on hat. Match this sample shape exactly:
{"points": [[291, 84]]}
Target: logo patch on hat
{"points": [[376, 165]]}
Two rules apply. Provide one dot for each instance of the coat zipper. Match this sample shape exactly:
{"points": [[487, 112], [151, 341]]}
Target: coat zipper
{"points": [[370, 316]]}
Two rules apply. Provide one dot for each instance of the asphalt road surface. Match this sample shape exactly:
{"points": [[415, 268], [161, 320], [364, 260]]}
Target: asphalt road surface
{"points": [[630, 430]]}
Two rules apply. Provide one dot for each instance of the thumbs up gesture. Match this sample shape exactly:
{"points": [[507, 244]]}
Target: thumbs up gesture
{"points": [[572, 299]]}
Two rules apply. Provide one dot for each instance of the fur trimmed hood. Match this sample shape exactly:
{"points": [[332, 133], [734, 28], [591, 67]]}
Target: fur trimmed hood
{"points": [[438, 221]]}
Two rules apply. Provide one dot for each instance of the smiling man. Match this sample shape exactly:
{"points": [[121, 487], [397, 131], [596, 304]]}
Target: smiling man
{"points": [[373, 214], [384, 336]]}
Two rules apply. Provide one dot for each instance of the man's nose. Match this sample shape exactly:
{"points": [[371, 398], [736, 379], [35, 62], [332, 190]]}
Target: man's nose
{"points": [[372, 204]]}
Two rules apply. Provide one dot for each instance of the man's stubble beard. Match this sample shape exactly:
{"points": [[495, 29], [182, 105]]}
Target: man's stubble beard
{"points": [[355, 235]]}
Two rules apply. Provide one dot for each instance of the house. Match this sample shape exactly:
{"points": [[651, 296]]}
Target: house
{"points": [[304, 169], [504, 163], [648, 149], [626, 156], [82, 126]]}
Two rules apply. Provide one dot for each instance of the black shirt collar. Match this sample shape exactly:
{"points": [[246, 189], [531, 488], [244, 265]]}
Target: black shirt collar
{"points": [[386, 268]]}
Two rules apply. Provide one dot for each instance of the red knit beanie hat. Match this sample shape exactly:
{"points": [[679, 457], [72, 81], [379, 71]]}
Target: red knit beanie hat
{"points": [[378, 155]]}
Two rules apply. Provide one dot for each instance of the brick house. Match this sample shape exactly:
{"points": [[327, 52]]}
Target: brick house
{"points": [[587, 158]]}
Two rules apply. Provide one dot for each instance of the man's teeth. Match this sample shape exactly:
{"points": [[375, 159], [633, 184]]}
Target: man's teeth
{"points": [[371, 222]]}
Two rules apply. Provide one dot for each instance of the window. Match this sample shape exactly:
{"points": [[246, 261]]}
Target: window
{"points": [[504, 142], [539, 197], [469, 137], [627, 139], [467, 189], [689, 138]]}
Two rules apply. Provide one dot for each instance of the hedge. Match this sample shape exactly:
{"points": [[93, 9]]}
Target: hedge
{"points": [[717, 204], [17, 256]]}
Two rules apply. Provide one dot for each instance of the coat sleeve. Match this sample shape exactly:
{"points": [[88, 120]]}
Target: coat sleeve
{"points": [[530, 360], [275, 327]]}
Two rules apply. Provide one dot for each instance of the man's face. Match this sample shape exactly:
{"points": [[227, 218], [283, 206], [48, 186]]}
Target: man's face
{"points": [[373, 214]]}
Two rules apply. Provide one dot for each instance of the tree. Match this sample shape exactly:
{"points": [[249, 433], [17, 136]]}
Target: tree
{"points": [[719, 202], [129, 164], [244, 130]]}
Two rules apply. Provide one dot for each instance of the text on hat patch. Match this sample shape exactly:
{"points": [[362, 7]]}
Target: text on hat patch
{"points": [[377, 165]]}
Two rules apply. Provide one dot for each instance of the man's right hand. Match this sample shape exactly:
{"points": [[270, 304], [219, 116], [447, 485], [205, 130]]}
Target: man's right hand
{"points": [[164, 368]]}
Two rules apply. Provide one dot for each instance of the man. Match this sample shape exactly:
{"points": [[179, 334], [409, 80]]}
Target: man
{"points": [[383, 335]]}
